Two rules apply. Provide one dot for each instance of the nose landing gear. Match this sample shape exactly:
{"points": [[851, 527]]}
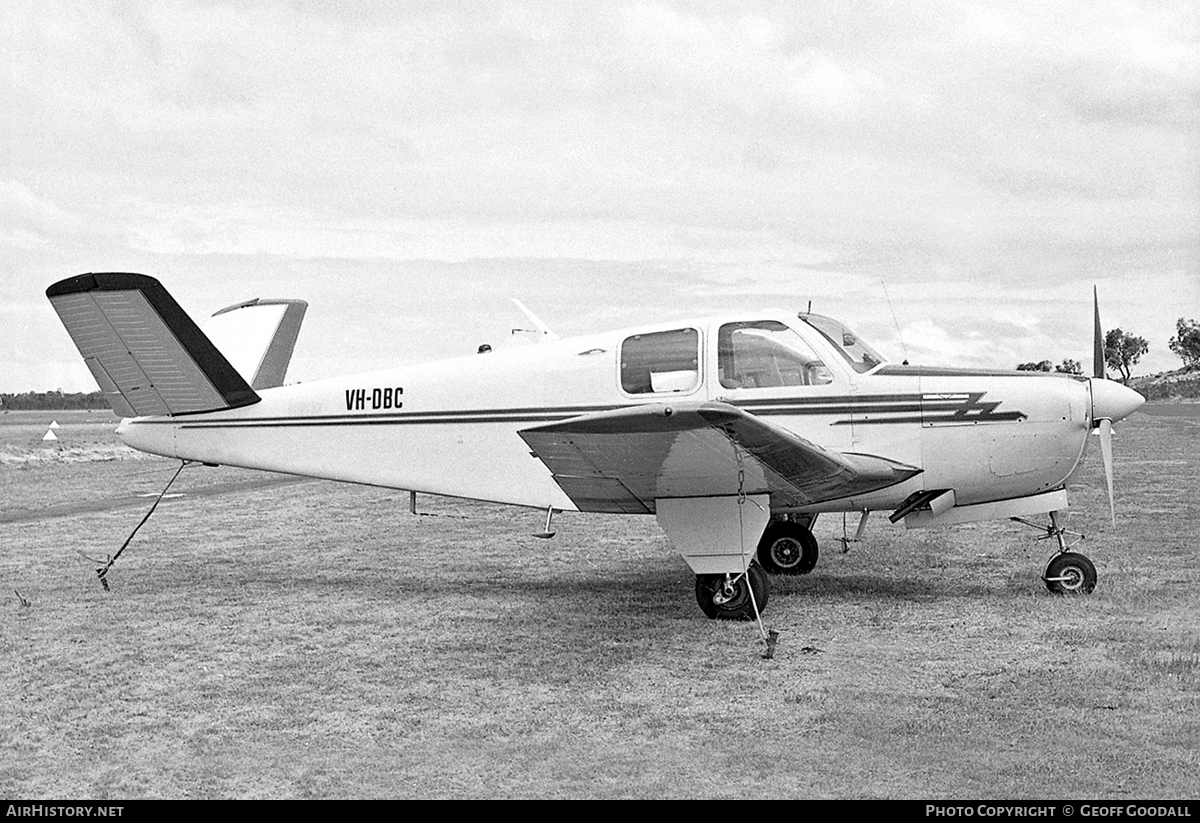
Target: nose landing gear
{"points": [[1068, 572]]}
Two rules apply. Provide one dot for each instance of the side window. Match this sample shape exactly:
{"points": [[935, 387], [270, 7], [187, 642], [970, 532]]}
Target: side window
{"points": [[764, 354], [665, 361]]}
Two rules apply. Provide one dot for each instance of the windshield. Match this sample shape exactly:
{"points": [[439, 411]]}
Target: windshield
{"points": [[860, 356]]}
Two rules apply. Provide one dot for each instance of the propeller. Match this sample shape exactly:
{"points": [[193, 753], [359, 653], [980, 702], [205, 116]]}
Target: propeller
{"points": [[1105, 429], [1104, 424], [1110, 401]]}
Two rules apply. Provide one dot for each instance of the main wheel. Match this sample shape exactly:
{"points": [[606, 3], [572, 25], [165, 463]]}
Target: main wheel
{"points": [[787, 547], [1070, 573], [727, 597]]}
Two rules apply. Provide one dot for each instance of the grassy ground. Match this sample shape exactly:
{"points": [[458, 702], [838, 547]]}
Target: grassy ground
{"points": [[303, 639]]}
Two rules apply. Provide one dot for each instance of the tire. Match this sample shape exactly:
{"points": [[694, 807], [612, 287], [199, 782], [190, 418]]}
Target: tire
{"points": [[787, 547], [717, 604], [1070, 573]]}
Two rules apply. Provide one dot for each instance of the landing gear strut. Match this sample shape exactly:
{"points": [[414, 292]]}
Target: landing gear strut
{"points": [[788, 546], [727, 596]]}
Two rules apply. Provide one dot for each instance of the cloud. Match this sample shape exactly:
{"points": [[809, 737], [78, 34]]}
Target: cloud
{"points": [[28, 221], [1117, 63], [973, 157]]}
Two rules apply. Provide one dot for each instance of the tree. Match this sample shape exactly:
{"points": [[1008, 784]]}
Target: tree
{"points": [[52, 400], [1069, 366], [1122, 351], [1042, 365], [1186, 342]]}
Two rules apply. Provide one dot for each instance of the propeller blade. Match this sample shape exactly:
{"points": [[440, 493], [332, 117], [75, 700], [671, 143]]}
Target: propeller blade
{"points": [[1106, 432], [1098, 340]]}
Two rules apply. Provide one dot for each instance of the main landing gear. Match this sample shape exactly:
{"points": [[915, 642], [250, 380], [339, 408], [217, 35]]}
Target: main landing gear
{"points": [[728, 596], [788, 545], [1068, 572]]}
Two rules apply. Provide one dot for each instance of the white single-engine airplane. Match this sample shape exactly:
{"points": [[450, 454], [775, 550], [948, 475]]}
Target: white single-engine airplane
{"points": [[735, 431]]}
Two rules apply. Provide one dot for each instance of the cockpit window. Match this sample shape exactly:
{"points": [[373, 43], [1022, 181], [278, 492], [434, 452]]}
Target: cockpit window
{"points": [[766, 353], [860, 356], [666, 361]]}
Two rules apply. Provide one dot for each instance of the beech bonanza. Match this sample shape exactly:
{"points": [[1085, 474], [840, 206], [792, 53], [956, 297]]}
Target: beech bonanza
{"points": [[736, 432]]}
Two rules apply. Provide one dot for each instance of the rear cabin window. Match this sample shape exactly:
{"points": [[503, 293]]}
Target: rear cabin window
{"points": [[664, 361], [766, 354]]}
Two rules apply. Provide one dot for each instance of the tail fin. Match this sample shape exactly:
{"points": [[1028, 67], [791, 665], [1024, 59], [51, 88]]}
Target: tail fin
{"points": [[146, 354], [258, 338]]}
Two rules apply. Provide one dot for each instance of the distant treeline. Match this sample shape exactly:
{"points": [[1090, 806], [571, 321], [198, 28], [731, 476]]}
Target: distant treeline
{"points": [[1186, 387], [44, 400]]}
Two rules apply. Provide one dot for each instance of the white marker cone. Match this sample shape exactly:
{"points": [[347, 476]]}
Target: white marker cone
{"points": [[54, 424], [49, 435]]}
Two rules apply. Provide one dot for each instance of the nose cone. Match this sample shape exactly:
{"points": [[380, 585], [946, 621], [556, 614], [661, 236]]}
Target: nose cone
{"points": [[1112, 400]]}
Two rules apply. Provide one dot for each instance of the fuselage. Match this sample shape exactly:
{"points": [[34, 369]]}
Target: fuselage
{"points": [[450, 427]]}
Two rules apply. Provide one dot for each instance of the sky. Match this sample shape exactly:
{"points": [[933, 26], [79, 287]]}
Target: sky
{"points": [[949, 178]]}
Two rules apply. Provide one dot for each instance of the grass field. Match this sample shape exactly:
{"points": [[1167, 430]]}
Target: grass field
{"points": [[275, 638]]}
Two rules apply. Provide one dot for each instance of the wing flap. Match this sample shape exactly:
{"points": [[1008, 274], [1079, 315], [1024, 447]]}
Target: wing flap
{"points": [[623, 460]]}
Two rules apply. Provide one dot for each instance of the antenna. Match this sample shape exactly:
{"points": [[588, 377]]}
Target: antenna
{"points": [[540, 327], [894, 320]]}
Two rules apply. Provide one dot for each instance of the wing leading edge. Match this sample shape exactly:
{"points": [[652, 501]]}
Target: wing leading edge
{"points": [[625, 459]]}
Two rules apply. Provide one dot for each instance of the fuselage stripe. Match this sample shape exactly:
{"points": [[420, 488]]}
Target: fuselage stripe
{"points": [[868, 410]]}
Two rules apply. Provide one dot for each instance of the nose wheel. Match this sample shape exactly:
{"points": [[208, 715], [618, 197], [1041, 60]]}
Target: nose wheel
{"points": [[1070, 573]]}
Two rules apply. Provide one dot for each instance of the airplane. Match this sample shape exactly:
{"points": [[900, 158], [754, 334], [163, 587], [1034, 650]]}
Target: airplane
{"points": [[735, 431]]}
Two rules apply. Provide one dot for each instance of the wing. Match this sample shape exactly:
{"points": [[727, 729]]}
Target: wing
{"points": [[623, 460]]}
